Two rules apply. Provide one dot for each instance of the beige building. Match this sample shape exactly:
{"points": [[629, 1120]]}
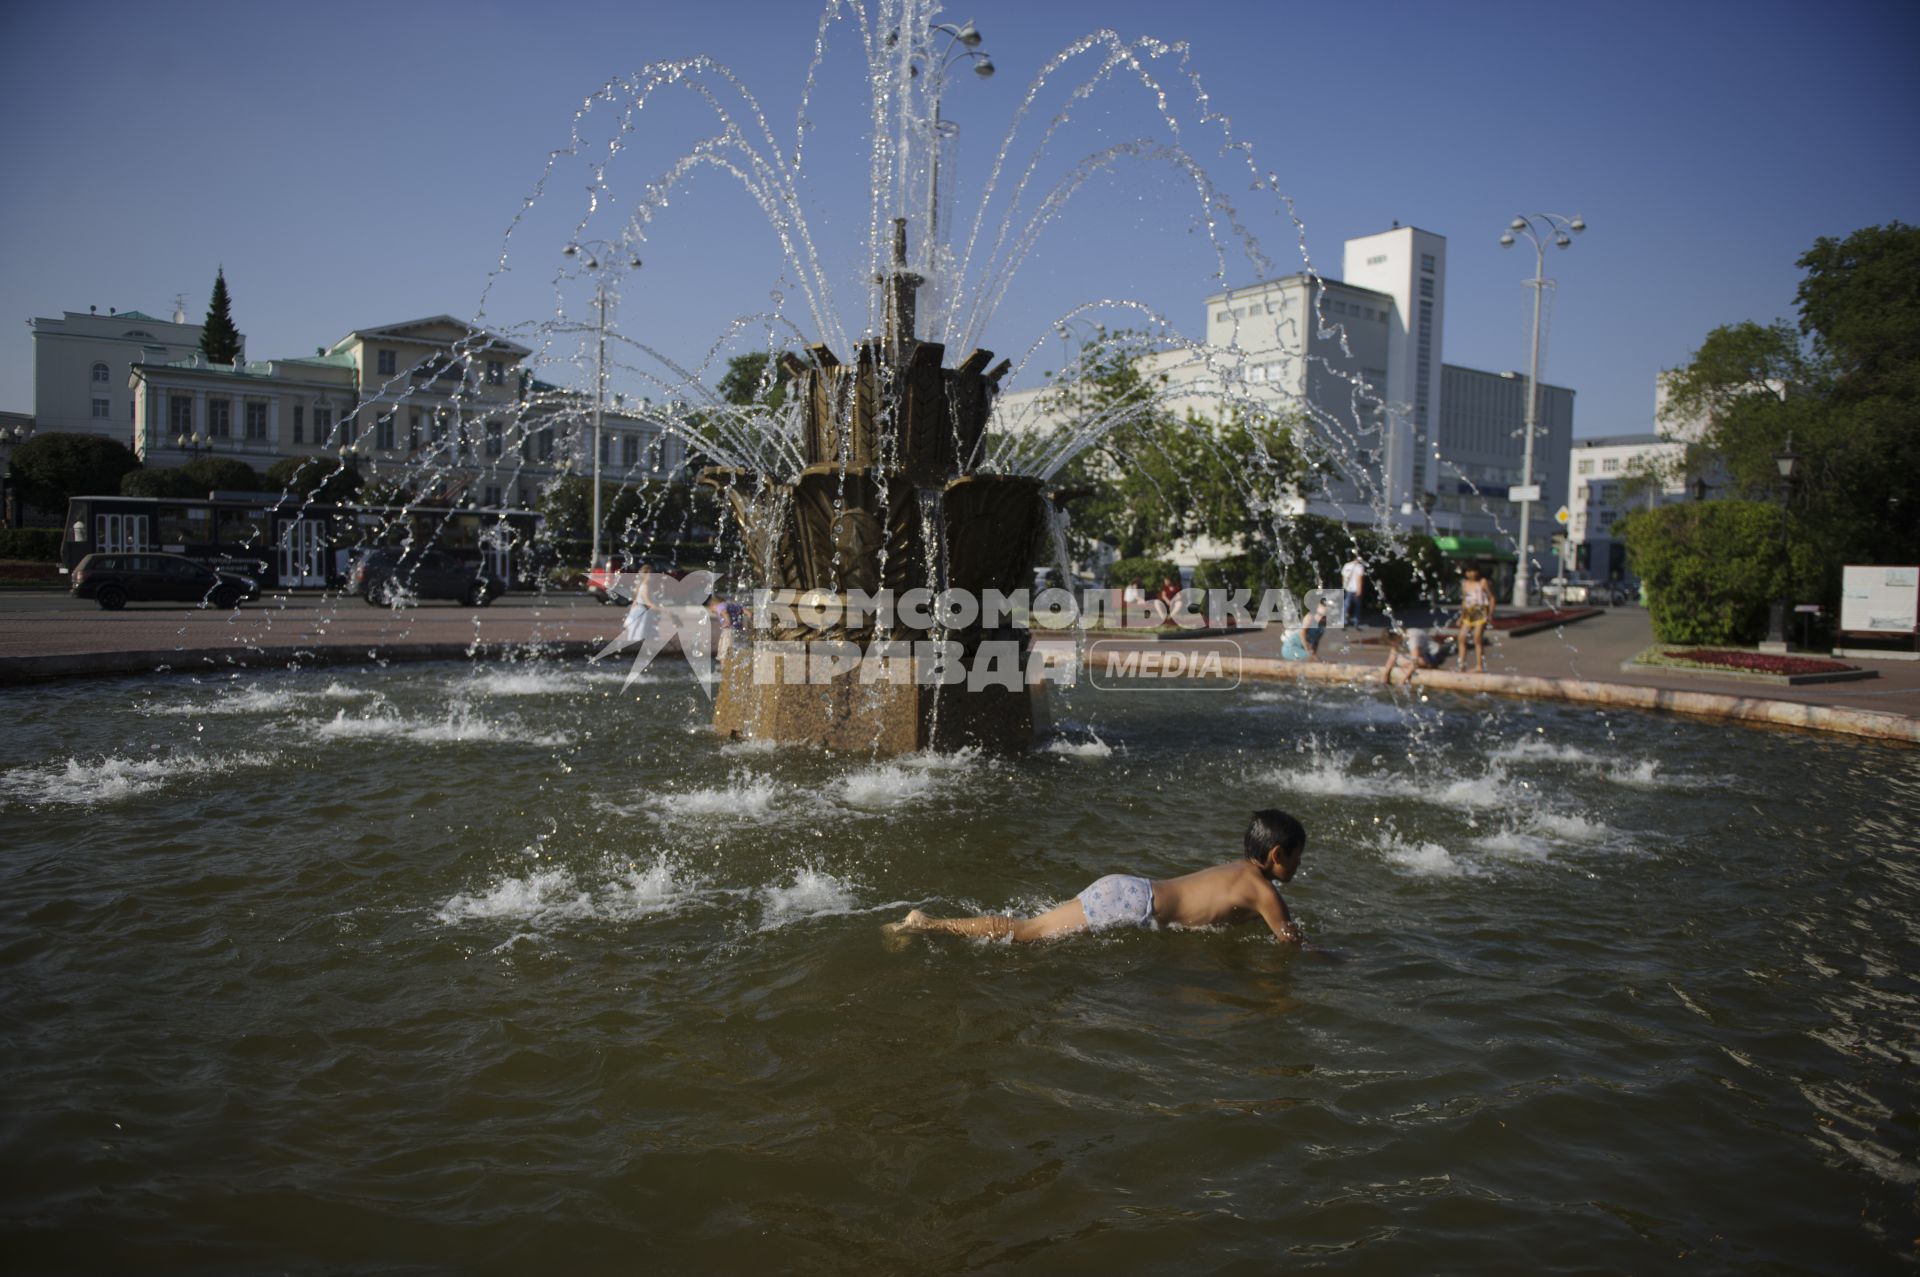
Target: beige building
{"points": [[82, 362], [442, 406]]}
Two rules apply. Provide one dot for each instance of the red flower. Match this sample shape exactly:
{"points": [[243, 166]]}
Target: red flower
{"points": [[1760, 662]]}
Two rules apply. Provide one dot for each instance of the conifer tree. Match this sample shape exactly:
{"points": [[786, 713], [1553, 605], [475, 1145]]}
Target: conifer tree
{"points": [[219, 339]]}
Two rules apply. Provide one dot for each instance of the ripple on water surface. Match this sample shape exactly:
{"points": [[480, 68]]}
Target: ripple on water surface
{"points": [[452, 926]]}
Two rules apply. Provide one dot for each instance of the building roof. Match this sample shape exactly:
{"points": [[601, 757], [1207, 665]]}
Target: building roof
{"points": [[1621, 441], [1248, 290], [410, 330]]}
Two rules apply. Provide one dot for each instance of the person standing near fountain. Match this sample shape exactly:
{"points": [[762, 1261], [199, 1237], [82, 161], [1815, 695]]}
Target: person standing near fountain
{"points": [[641, 619], [1238, 891], [1476, 609], [1353, 579]]}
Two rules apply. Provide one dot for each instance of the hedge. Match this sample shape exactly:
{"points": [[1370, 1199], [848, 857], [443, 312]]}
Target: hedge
{"points": [[1148, 572], [42, 545], [1711, 568]]}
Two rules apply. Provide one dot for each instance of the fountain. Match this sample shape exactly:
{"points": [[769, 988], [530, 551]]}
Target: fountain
{"points": [[890, 500], [472, 963]]}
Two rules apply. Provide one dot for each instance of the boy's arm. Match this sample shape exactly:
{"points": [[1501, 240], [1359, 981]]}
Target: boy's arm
{"points": [[1273, 910]]}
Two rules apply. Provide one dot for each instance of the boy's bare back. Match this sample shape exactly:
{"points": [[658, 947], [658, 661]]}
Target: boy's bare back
{"points": [[1235, 892]]}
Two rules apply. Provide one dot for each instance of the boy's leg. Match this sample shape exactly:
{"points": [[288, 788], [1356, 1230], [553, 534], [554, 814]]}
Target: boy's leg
{"points": [[1056, 921]]}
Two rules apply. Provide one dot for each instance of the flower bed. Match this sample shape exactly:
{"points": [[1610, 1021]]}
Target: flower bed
{"points": [[1719, 658]]}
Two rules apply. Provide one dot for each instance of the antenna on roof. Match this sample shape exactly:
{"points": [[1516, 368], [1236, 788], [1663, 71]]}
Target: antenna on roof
{"points": [[179, 308]]}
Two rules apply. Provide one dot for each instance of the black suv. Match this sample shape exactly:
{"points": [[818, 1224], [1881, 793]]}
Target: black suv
{"points": [[115, 580], [385, 577]]}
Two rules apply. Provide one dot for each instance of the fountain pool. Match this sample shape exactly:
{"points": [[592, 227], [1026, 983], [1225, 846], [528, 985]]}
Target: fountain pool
{"points": [[453, 967]]}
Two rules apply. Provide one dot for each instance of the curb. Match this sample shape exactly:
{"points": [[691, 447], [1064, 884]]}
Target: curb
{"points": [[1759, 710]]}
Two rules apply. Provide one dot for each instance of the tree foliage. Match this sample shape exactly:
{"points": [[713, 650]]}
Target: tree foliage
{"points": [[219, 338], [1843, 387], [316, 479], [50, 468], [196, 478], [1151, 480], [747, 382], [645, 518], [1711, 568]]}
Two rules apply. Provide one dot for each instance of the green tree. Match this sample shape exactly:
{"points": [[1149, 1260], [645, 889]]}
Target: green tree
{"points": [[167, 482], [50, 468], [746, 382], [1711, 568], [1843, 387], [1150, 480], [316, 479], [219, 339]]}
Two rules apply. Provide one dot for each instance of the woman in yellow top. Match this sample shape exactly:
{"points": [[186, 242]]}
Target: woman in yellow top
{"points": [[1476, 609]]}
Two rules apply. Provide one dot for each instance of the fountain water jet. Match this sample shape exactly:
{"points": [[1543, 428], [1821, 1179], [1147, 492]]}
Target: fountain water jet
{"points": [[890, 499]]}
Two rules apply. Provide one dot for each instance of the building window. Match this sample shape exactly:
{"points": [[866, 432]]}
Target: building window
{"points": [[496, 445], [257, 421], [299, 423], [413, 431], [322, 424], [179, 415], [1586, 467], [219, 418], [383, 432], [1426, 262], [1426, 288], [496, 375], [385, 363], [546, 445], [493, 496], [1610, 466], [630, 451], [102, 374], [102, 408]]}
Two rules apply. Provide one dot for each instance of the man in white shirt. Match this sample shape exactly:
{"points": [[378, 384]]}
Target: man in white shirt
{"points": [[1353, 578]]}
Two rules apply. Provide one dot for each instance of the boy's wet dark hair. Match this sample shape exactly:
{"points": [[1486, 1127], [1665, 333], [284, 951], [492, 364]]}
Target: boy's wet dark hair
{"points": [[1272, 828]]}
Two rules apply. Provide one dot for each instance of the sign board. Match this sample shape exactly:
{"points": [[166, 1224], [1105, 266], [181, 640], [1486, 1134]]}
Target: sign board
{"points": [[1880, 600], [1524, 492], [1562, 515]]}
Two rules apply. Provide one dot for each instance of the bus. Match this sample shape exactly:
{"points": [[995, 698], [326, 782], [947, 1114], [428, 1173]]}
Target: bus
{"points": [[286, 542]]}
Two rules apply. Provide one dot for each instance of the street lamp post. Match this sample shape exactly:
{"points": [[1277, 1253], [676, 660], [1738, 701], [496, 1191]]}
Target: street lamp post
{"points": [[193, 444], [1786, 462], [1538, 228], [593, 262], [963, 45]]}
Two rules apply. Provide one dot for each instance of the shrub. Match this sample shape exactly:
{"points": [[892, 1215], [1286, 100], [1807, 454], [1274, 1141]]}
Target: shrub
{"points": [[1711, 568], [159, 483], [41, 545], [50, 468], [1149, 572], [1235, 572]]}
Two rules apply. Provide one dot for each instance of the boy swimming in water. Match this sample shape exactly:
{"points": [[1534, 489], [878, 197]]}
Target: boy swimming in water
{"points": [[1238, 891]]}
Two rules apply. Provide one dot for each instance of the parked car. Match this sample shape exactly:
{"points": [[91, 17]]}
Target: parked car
{"points": [[115, 580], [614, 581], [1588, 589], [386, 576]]}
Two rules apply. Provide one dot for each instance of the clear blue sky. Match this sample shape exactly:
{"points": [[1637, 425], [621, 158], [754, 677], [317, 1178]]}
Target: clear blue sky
{"points": [[356, 164]]}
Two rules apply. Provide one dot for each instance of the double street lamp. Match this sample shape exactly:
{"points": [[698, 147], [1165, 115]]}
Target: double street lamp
{"points": [[963, 45], [600, 257], [1539, 229]]}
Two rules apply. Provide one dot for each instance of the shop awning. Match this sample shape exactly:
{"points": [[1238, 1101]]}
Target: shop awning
{"points": [[1473, 548]]}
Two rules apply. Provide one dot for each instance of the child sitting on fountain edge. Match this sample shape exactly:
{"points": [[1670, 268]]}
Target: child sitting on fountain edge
{"points": [[1237, 891]]}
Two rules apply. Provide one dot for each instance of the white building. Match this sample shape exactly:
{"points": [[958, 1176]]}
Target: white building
{"points": [[1432, 446], [1610, 475], [81, 365]]}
